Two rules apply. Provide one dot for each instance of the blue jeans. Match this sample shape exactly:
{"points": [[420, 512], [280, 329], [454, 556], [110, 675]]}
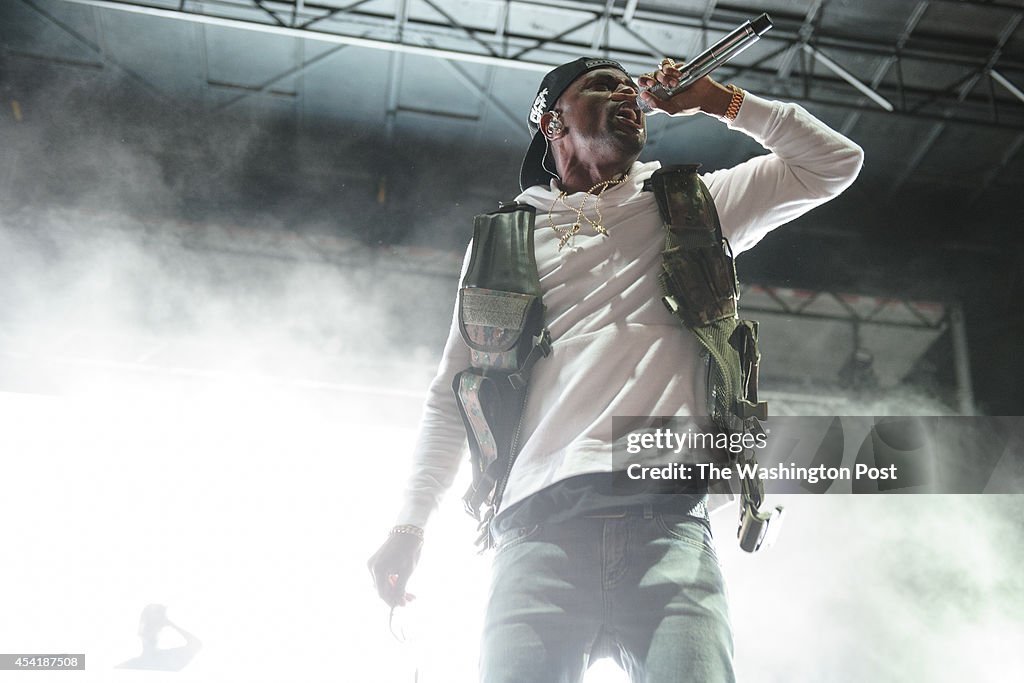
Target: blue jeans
{"points": [[645, 589]]}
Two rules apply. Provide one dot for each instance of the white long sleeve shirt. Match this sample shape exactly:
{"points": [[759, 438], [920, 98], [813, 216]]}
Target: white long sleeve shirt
{"points": [[616, 350]]}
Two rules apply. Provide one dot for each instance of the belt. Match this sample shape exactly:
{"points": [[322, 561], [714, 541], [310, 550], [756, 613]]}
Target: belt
{"points": [[648, 510], [699, 511]]}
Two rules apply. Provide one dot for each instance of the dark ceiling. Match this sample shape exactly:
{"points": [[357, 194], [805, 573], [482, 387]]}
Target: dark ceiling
{"points": [[394, 121]]}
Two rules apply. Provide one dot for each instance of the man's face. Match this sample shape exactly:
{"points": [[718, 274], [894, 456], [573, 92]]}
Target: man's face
{"points": [[601, 116]]}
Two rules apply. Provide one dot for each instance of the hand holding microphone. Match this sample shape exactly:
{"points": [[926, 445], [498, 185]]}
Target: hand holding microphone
{"points": [[671, 79], [700, 96]]}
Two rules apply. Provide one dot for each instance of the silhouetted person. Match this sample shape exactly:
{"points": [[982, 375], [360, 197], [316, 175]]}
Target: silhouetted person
{"points": [[152, 621]]}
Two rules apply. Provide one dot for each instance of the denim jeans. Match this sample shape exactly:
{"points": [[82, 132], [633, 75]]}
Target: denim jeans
{"points": [[645, 589]]}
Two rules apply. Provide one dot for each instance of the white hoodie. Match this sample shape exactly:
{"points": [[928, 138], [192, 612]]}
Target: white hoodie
{"points": [[616, 350]]}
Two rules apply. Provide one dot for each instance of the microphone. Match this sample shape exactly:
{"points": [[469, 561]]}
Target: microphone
{"points": [[712, 58]]}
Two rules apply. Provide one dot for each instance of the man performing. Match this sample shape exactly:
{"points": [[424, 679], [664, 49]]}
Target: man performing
{"points": [[582, 569]]}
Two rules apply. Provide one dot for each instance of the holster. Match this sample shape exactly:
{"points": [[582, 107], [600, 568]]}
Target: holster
{"points": [[698, 278], [501, 317]]}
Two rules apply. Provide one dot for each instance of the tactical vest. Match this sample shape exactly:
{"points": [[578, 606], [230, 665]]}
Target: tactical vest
{"points": [[501, 318]]}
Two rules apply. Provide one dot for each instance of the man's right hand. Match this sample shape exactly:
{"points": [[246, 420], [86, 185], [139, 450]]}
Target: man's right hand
{"points": [[392, 565], [705, 95]]}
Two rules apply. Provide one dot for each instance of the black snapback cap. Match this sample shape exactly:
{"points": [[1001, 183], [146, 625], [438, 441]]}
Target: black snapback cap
{"points": [[533, 171]]}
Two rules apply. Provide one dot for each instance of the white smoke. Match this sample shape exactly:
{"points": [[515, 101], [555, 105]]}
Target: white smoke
{"points": [[197, 412]]}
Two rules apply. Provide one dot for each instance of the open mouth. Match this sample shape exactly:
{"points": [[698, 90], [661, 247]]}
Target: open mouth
{"points": [[630, 114]]}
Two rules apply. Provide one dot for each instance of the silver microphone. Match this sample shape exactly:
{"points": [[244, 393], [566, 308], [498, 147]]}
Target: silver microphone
{"points": [[712, 58]]}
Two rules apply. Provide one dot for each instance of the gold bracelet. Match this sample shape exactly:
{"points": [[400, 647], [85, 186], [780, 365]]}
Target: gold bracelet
{"points": [[734, 104], [407, 529]]}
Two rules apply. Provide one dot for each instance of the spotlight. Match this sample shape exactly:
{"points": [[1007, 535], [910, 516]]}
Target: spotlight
{"points": [[857, 372]]}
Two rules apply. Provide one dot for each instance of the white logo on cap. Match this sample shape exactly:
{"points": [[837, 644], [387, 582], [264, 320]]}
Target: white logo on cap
{"points": [[537, 110]]}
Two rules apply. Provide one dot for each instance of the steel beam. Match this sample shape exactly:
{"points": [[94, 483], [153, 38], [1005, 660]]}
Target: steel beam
{"points": [[918, 156], [992, 174], [1005, 82], [296, 71], [887, 62], [601, 30], [984, 4], [964, 91], [724, 21], [848, 77], [463, 76], [322, 36], [418, 32], [276, 19], [701, 40], [972, 80], [627, 14], [655, 53], [333, 13], [851, 315], [539, 43], [502, 24], [961, 362], [97, 50], [785, 68], [455, 23], [395, 74]]}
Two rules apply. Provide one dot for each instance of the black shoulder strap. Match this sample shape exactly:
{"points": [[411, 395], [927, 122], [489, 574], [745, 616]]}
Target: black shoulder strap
{"points": [[686, 206], [701, 290], [698, 273]]}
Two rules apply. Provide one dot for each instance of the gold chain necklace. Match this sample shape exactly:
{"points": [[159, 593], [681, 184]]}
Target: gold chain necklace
{"points": [[566, 234]]}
